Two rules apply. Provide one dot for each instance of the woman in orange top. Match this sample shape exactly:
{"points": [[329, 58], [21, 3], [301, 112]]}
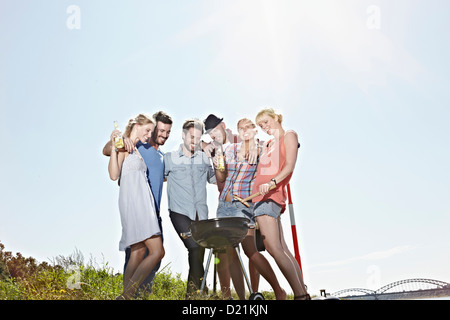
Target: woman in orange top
{"points": [[275, 169]]}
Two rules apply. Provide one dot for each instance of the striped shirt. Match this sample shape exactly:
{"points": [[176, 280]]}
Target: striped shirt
{"points": [[240, 176]]}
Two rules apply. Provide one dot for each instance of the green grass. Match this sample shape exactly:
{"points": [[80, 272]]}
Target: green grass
{"points": [[70, 278]]}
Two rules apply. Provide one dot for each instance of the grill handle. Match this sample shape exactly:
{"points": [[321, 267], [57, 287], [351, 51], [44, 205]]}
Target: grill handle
{"points": [[185, 235]]}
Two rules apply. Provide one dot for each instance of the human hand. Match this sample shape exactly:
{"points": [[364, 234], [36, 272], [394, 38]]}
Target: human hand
{"points": [[219, 162], [264, 188], [215, 161], [129, 146], [208, 150], [114, 134], [253, 155]]}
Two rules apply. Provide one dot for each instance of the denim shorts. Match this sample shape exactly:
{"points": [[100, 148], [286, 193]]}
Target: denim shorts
{"points": [[234, 208], [268, 207]]}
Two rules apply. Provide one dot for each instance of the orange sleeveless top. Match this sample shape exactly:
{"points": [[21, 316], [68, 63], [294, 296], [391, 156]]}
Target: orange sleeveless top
{"points": [[271, 161]]}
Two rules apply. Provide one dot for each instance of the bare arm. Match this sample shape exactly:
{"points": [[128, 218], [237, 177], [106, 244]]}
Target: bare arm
{"points": [[107, 149], [115, 157], [291, 144], [115, 163], [110, 144], [207, 148], [253, 154], [128, 144]]}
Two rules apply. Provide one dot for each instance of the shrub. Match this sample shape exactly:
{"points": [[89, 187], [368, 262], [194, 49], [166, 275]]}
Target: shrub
{"points": [[70, 278]]}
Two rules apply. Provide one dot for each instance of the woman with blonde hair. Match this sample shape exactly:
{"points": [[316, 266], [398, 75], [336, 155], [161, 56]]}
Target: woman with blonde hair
{"points": [[276, 165], [140, 227], [238, 176]]}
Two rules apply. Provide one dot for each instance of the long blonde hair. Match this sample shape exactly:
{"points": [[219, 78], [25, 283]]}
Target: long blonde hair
{"points": [[245, 120], [269, 112], [141, 119]]}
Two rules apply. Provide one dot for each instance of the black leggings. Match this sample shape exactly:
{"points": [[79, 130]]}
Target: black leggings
{"points": [[196, 252]]}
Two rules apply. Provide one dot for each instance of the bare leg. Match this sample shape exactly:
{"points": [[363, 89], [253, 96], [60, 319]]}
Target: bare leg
{"points": [[262, 265], [285, 248], [236, 273], [224, 275], [270, 232], [254, 274], [137, 253], [139, 267]]}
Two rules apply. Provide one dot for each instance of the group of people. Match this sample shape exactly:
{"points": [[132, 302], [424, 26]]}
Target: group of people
{"points": [[239, 164]]}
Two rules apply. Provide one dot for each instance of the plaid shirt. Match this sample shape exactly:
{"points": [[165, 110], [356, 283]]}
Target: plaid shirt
{"points": [[240, 176]]}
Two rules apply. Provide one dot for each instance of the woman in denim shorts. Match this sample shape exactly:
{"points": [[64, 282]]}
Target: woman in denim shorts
{"points": [[275, 169], [234, 208], [238, 176]]}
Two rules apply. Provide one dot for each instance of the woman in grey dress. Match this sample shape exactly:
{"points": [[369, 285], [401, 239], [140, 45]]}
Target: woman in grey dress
{"points": [[140, 228]]}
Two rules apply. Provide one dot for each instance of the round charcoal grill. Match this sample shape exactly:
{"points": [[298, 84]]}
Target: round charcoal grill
{"points": [[220, 233]]}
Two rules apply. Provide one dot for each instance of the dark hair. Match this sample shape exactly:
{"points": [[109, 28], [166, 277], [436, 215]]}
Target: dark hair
{"points": [[193, 123], [163, 117]]}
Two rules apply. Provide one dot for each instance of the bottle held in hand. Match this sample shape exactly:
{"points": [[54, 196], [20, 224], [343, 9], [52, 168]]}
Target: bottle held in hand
{"points": [[220, 159], [118, 140]]}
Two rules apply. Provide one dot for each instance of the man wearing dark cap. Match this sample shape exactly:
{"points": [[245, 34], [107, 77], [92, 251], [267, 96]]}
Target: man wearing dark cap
{"points": [[223, 137], [211, 122], [219, 133]]}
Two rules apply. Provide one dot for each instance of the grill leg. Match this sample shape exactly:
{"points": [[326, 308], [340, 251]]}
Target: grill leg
{"points": [[243, 270], [215, 274], [206, 270]]}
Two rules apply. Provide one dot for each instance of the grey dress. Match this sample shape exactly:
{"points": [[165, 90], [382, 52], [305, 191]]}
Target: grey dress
{"points": [[136, 204]]}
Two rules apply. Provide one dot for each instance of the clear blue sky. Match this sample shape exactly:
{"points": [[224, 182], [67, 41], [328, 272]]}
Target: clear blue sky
{"points": [[364, 83]]}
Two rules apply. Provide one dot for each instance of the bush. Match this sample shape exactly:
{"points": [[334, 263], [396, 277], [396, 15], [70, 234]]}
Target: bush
{"points": [[70, 278], [66, 279]]}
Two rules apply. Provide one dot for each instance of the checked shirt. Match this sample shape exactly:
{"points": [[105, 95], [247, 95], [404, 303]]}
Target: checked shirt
{"points": [[240, 176]]}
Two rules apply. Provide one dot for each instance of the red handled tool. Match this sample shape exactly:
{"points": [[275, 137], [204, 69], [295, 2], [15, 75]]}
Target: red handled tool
{"points": [[293, 227]]}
